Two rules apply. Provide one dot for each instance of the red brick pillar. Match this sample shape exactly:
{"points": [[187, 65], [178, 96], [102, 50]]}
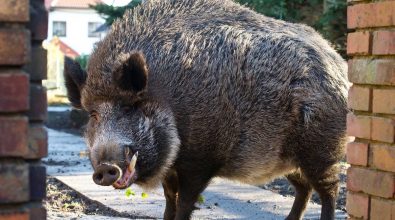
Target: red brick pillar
{"points": [[371, 43], [23, 138]]}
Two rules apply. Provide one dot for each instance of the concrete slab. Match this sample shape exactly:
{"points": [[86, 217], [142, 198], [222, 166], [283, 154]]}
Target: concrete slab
{"points": [[223, 199], [79, 216], [67, 154], [59, 108]]}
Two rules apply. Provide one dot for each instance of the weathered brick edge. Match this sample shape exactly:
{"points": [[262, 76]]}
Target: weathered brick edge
{"points": [[23, 106], [371, 46]]}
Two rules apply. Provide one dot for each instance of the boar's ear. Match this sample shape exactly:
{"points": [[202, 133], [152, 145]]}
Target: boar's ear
{"points": [[132, 73], [74, 80]]}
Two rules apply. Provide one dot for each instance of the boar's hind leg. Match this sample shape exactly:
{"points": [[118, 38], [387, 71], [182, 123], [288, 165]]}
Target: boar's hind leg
{"points": [[190, 186], [170, 187], [325, 183], [303, 192]]}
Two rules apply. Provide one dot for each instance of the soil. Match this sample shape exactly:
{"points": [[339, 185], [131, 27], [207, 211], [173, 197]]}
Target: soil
{"points": [[62, 202]]}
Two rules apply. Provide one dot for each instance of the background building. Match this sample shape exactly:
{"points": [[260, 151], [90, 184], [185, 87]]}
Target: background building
{"points": [[75, 24], [72, 32]]}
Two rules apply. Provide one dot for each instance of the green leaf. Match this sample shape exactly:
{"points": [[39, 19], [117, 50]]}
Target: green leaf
{"points": [[201, 199], [129, 192], [144, 195]]}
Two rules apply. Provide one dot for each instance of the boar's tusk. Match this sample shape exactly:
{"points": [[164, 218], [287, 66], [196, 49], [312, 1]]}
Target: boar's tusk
{"points": [[133, 161]]}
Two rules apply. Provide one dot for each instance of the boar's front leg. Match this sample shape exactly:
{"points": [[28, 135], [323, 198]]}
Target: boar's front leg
{"points": [[170, 187], [191, 184]]}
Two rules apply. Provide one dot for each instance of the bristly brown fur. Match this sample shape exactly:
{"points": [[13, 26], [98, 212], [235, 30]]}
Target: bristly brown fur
{"points": [[219, 91]]}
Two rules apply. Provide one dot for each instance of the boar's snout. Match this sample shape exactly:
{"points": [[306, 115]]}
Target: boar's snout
{"points": [[106, 174]]}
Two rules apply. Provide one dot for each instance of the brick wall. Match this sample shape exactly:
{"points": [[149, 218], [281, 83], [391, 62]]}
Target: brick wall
{"points": [[371, 46], [23, 138]]}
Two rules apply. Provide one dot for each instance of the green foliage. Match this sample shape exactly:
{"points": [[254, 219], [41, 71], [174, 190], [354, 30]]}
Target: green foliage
{"points": [[326, 16], [144, 195], [201, 199], [333, 24], [129, 192], [83, 61], [110, 13]]}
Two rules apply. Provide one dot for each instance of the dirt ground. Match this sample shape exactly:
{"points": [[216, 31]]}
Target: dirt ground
{"points": [[63, 202]]}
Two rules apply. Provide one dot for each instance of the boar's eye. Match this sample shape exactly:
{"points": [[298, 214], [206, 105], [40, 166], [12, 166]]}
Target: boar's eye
{"points": [[127, 108], [94, 115]]}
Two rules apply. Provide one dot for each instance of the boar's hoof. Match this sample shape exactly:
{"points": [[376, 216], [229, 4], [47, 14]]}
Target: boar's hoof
{"points": [[106, 174]]}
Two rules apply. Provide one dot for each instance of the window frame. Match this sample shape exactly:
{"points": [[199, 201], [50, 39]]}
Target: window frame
{"points": [[55, 28], [92, 34]]}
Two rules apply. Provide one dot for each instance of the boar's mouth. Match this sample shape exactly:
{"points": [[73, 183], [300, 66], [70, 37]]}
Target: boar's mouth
{"points": [[128, 174]]}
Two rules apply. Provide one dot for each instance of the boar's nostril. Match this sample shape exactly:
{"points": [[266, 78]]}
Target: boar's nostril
{"points": [[98, 178], [112, 172], [106, 174]]}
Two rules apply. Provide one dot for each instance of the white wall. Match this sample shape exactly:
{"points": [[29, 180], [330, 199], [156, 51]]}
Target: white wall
{"points": [[76, 27]]}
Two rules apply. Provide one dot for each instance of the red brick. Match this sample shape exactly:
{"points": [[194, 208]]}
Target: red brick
{"points": [[38, 24], [383, 157], [14, 92], [358, 43], [13, 136], [384, 42], [357, 205], [359, 98], [38, 103], [384, 101], [37, 68], [372, 182], [357, 153], [377, 14], [372, 71], [38, 141], [354, 175], [14, 216], [14, 10], [393, 210], [14, 182], [37, 213], [383, 129], [358, 126], [14, 46], [381, 209], [385, 72]]}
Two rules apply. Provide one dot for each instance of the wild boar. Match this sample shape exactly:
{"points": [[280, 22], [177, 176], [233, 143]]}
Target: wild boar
{"points": [[206, 88]]}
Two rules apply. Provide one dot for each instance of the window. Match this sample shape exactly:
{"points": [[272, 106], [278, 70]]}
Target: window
{"points": [[59, 28], [92, 27]]}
